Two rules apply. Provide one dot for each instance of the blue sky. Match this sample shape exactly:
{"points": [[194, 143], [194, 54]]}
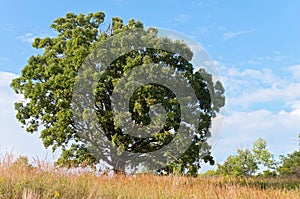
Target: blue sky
{"points": [[255, 45]]}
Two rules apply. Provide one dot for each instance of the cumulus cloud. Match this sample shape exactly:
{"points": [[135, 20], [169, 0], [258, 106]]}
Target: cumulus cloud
{"points": [[249, 87], [295, 70], [12, 136], [278, 125], [241, 129]]}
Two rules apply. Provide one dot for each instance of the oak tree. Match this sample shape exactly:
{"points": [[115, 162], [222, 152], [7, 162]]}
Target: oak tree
{"points": [[47, 83]]}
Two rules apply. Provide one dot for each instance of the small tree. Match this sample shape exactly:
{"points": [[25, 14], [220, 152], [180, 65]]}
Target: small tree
{"points": [[242, 164], [290, 164], [263, 156], [247, 162]]}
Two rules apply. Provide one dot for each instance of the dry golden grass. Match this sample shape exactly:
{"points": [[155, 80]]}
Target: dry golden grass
{"points": [[20, 181]]}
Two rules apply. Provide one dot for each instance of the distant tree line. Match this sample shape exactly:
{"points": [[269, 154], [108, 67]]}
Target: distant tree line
{"points": [[258, 161]]}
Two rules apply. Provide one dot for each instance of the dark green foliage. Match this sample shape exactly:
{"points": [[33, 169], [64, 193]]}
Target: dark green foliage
{"points": [[290, 165]]}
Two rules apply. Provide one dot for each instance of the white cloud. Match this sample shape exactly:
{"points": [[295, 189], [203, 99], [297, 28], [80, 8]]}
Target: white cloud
{"points": [[29, 37], [295, 69], [241, 129], [242, 126], [12, 136], [6, 77], [230, 35], [249, 87], [288, 94]]}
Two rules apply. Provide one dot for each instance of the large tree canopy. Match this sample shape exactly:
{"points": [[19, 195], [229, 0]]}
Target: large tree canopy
{"points": [[47, 84]]}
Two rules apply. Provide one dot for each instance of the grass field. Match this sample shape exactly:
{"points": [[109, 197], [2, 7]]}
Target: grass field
{"points": [[17, 180]]}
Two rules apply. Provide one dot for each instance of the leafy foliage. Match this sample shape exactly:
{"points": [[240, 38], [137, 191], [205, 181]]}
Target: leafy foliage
{"points": [[247, 162], [242, 164], [47, 84], [290, 164], [262, 155]]}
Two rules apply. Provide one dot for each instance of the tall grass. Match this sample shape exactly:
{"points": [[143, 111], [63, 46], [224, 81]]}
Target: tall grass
{"points": [[18, 180]]}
